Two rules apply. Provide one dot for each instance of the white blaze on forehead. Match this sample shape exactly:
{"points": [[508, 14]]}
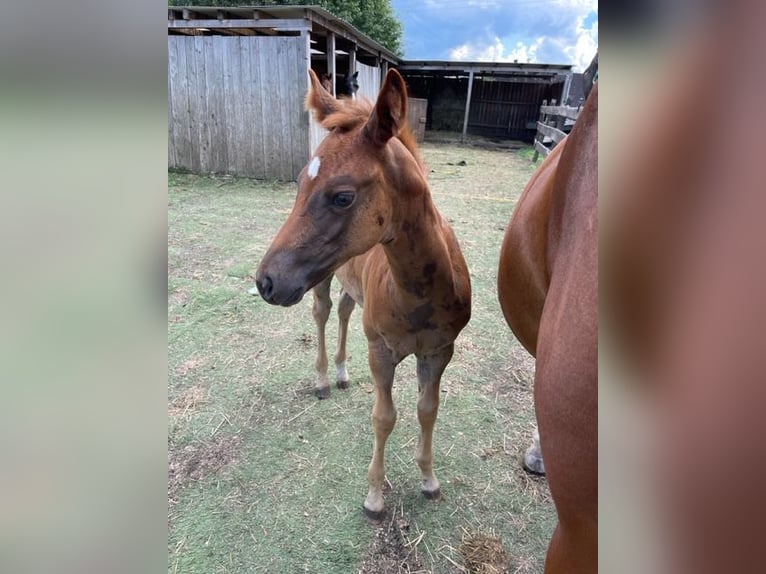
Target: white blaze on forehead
{"points": [[314, 167]]}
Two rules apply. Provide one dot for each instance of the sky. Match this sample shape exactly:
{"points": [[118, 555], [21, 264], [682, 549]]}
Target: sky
{"points": [[534, 31]]}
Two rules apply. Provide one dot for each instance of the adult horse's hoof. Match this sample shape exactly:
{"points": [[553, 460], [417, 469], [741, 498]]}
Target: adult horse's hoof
{"points": [[323, 392], [375, 516], [342, 385], [432, 494]]}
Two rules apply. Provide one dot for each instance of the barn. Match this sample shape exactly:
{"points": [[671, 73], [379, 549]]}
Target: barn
{"points": [[491, 99], [237, 77]]}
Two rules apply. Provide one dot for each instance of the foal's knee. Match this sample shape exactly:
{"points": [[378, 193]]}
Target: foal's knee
{"points": [[384, 420]]}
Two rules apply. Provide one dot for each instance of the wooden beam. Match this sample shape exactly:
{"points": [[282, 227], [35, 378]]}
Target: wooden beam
{"points": [[295, 25], [467, 105], [341, 33]]}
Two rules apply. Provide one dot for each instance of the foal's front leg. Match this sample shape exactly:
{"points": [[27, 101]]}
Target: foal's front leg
{"points": [[430, 369], [321, 313], [345, 307], [382, 366]]}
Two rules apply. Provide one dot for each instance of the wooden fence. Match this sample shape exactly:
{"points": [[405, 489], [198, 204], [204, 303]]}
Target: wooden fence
{"points": [[554, 124], [235, 105]]}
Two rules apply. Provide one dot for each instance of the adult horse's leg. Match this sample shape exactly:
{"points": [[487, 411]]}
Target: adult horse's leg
{"points": [[533, 457], [321, 312], [383, 421], [567, 414], [430, 369], [345, 308]]}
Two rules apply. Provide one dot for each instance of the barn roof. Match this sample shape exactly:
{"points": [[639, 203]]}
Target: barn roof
{"points": [[270, 20], [537, 73]]}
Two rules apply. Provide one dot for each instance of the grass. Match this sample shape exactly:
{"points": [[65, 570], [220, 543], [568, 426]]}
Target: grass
{"points": [[263, 477]]}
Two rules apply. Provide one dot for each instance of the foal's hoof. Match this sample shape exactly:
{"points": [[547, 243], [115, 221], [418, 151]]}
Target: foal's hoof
{"points": [[323, 392], [342, 385], [375, 516], [533, 465], [432, 494]]}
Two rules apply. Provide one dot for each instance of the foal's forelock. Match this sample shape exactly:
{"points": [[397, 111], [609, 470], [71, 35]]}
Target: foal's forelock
{"points": [[348, 114]]}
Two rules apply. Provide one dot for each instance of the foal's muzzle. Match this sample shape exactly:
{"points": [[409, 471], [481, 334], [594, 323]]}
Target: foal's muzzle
{"points": [[278, 292]]}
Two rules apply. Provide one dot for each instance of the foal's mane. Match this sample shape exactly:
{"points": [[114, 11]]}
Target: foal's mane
{"points": [[355, 113]]}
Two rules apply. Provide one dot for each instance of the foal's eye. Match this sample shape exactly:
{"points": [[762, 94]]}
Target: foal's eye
{"points": [[343, 199]]}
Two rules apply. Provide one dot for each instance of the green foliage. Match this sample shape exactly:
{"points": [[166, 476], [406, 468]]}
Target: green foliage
{"points": [[376, 18]]}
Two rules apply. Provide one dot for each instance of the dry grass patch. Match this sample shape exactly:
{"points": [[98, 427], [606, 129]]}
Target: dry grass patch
{"points": [[483, 553]]}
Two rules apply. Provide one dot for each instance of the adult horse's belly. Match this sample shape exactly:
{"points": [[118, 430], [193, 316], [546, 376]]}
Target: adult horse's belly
{"points": [[523, 276]]}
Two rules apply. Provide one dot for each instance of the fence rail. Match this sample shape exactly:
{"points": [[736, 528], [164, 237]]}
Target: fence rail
{"points": [[554, 124]]}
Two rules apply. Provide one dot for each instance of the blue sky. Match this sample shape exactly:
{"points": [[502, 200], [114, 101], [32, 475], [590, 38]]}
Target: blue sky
{"points": [[538, 31]]}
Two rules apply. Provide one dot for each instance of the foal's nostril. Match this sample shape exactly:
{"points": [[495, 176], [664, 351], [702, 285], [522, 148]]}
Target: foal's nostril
{"points": [[265, 287]]}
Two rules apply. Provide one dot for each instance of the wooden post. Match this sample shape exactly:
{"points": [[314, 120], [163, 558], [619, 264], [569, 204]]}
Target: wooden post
{"points": [[352, 60], [467, 105], [541, 118], [331, 70]]}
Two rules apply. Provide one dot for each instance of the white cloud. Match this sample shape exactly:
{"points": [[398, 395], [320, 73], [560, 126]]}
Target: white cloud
{"points": [[585, 46], [495, 51]]}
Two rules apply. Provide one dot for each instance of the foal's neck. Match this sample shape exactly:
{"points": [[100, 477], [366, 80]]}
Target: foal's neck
{"points": [[418, 254]]}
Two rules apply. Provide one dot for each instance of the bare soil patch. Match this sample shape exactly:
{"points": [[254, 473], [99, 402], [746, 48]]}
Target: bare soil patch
{"points": [[194, 462]]}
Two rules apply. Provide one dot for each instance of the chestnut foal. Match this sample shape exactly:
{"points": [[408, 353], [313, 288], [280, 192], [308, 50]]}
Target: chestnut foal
{"points": [[364, 212]]}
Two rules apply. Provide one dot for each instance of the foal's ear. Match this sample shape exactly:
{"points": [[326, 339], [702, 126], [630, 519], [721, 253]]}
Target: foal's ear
{"points": [[390, 113], [319, 99]]}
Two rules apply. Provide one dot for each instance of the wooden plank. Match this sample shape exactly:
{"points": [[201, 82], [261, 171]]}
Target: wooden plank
{"points": [[203, 124], [252, 141], [220, 121], [281, 102], [541, 149], [172, 73], [232, 102], [183, 139], [267, 53], [193, 109], [293, 25], [549, 131]]}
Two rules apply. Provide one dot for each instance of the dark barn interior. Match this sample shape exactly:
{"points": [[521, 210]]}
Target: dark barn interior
{"points": [[503, 99]]}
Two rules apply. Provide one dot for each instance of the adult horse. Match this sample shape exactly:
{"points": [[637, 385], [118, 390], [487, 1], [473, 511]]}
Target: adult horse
{"points": [[350, 84], [364, 212], [548, 290]]}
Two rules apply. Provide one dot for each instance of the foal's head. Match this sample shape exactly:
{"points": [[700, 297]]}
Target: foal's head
{"points": [[347, 194]]}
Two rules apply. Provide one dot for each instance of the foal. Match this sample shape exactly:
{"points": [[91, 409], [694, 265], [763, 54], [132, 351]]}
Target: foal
{"points": [[364, 212]]}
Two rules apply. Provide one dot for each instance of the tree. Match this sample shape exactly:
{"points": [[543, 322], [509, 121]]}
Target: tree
{"points": [[376, 18]]}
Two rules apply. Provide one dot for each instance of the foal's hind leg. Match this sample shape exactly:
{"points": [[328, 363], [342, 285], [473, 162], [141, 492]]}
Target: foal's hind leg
{"points": [[430, 369], [533, 457], [321, 312], [345, 308]]}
